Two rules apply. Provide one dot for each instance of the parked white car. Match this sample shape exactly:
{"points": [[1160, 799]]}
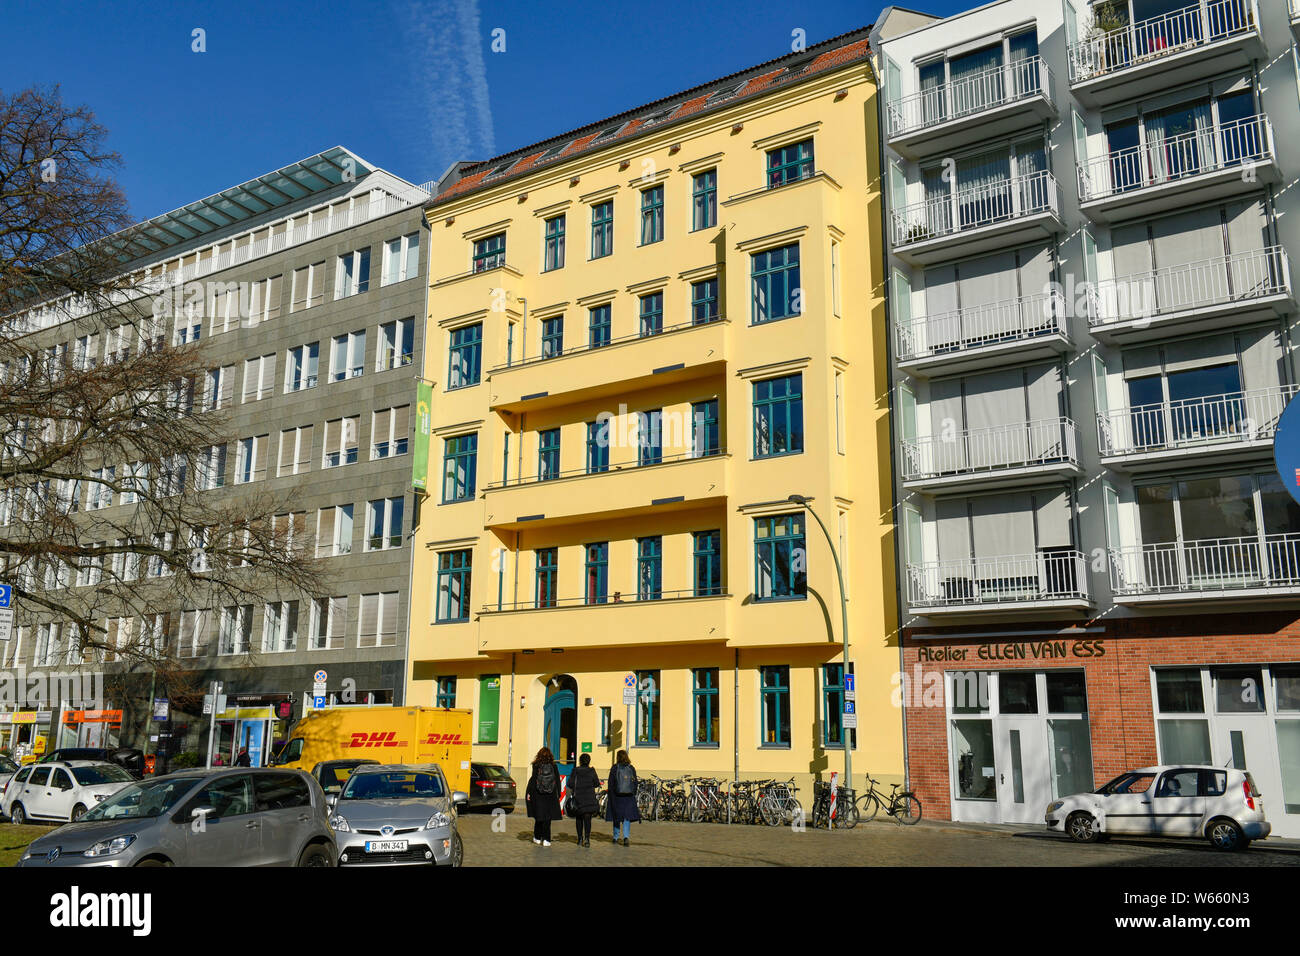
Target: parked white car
{"points": [[60, 789], [1220, 805], [7, 769]]}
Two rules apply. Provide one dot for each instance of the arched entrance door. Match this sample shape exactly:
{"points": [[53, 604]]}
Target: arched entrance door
{"points": [[561, 721]]}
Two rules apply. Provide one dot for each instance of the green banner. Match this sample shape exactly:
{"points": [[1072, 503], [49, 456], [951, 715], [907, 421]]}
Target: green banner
{"points": [[420, 459], [489, 707]]}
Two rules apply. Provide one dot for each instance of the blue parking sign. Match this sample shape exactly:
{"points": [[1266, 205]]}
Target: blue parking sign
{"points": [[6, 595], [318, 702]]}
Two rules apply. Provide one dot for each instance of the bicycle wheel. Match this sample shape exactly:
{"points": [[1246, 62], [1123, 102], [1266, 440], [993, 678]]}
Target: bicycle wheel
{"points": [[769, 812], [793, 810], [846, 815], [643, 804], [907, 808], [868, 806]]}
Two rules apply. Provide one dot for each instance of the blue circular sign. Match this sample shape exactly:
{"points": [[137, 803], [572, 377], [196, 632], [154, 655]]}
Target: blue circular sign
{"points": [[1286, 448]]}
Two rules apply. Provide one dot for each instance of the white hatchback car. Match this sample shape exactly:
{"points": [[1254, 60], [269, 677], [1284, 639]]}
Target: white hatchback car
{"points": [[60, 789], [1220, 805]]}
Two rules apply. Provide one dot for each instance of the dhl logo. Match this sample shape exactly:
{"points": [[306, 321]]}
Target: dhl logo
{"points": [[377, 739], [448, 739]]}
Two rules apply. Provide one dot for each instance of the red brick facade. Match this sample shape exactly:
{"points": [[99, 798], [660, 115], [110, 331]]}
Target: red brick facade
{"points": [[1116, 658]]}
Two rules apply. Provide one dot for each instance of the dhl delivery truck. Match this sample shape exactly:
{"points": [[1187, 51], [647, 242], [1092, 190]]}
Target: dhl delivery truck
{"points": [[387, 734]]}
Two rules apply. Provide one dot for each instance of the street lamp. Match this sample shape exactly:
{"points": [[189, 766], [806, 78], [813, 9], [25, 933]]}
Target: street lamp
{"points": [[844, 632]]}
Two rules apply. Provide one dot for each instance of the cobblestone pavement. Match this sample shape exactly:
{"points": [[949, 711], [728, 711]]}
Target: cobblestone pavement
{"points": [[870, 844]]}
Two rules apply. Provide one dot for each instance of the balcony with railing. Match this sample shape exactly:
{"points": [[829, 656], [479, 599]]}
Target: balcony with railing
{"points": [[972, 220], [1180, 46], [1207, 429], [1215, 293], [1022, 453], [988, 105], [1260, 566], [619, 619], [615, 366], [987, 335], [1052, 579], [626, 488], [1165, 175]]}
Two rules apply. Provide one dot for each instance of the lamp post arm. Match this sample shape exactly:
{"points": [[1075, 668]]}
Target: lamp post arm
{"points": [[844, 633]]}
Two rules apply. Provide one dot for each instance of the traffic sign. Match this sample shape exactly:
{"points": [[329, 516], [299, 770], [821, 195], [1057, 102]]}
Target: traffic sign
{"points": [[850, 684], [629, 680], [161, 708], [850, 716], [6, 595], [320, 677], [207, 704], [318, 689], [318, 701], [6, 611]]}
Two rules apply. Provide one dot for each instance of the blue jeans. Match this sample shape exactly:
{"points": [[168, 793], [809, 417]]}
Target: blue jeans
{"points": [[626, 826]]}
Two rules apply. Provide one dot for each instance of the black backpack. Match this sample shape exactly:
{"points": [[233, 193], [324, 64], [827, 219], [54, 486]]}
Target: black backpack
{"points": [[546, 778], [622, 780]]}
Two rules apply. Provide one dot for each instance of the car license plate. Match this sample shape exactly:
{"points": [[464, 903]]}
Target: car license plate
{"points": [[385, 846]]}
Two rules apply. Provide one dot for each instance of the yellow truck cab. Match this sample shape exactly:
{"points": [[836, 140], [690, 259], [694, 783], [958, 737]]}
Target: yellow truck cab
{"points": [[408, 735]]}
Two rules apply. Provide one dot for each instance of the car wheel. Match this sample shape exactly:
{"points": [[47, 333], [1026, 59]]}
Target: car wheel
{"points": [[18, 815], [316, 855], [77, 812], [457, 850], [154, 861], [1082, 828], [1224, 834]]}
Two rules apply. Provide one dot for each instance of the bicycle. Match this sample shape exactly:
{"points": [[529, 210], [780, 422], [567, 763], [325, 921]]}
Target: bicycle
{"points": [[845, 815], [778, 804], [706, 801], [670, 803], [902, 805], [647, 798]]}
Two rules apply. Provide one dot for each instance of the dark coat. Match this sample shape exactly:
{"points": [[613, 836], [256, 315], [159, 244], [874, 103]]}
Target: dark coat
{"points": [[242, 760], [542, 806], [582, 788], [622, 807]]}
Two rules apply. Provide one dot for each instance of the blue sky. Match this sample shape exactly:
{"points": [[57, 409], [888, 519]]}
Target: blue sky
{"points": [[410, 85]]}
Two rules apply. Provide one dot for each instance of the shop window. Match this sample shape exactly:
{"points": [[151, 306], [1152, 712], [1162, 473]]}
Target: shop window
{"points": [[1179, 691], [1017, 692], [972, 745], [1185, 741], [1067, 693], [1286, 687], [1239, 690], [970, 692]]}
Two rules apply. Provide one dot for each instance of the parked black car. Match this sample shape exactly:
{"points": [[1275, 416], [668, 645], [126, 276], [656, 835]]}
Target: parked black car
{"points": [[128, 758], [490, 785]]}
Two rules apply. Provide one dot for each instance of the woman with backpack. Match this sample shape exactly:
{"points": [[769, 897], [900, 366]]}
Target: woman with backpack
{"points": [[582, 797], [543, 796], [621, 807]]}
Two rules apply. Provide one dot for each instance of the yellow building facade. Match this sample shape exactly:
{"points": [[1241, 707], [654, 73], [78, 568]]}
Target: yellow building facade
{"points": [[620, 416]]}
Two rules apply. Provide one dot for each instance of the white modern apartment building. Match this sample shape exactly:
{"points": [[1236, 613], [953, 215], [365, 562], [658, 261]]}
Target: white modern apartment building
{"points": [[1091, 217]]}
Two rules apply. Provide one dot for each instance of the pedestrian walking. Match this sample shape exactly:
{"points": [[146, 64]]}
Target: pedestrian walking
{"points": [[243, 759], [543, 796], [582, 794], [621, 809]]}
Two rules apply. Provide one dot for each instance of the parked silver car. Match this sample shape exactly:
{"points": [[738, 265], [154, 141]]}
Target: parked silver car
{"points": [[233, 816], [398, 815]]}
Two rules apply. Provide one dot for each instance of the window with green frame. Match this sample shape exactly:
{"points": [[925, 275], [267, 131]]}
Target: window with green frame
{"points": [[548, 570], [602, 229], [775, 284], [652, 314], [704, 705], [704, 301], [704, 199], [774, 696], [833, 707], [649, 568], [598, 326], [708, 562], [652, 215], [466, 356], [446, 692], [454, 568], [788, 164], [780, 557], [490, 252], [778, 416], [597, 572], [548, 454], [650, 436], [647, 708], [554, 258], [459, 468], [706, 432], [598, 446], [552, 336]]}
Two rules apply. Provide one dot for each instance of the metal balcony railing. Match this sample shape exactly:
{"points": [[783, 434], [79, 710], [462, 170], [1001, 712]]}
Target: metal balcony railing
{"points": [[1189, 27], [1191, 422], [1020, 445], [1156, 162], [1212, 564], [1194, 285], [1295, 9], [972, 208], [996, 86], [1051, 574], [988, 323]]}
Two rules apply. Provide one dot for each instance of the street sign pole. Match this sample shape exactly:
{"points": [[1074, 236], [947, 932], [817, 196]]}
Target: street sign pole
{"points": [[212, 720]]}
